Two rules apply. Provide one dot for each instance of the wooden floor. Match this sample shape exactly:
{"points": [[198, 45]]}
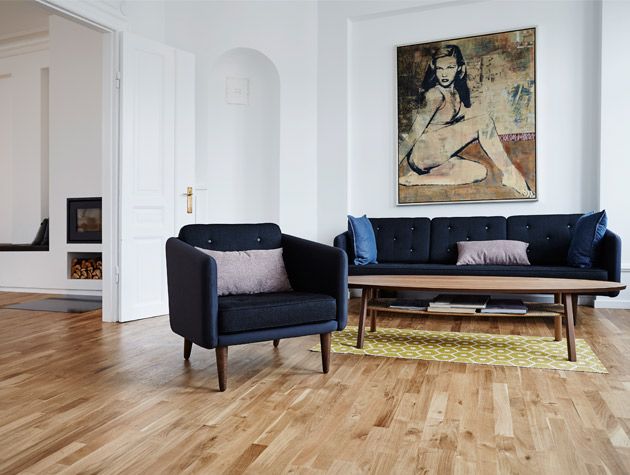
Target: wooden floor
{"points": [[81, 396]]}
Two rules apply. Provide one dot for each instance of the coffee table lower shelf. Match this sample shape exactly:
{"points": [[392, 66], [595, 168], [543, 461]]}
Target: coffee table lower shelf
{"points": [[534, 310]]}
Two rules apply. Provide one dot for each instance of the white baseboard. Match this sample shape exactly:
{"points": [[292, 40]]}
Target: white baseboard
{"points": [[603, 302], [30, 290]]}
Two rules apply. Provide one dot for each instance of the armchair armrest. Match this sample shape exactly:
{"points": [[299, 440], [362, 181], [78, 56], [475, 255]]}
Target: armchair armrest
{"points": [[192, 293], [314, 267]]}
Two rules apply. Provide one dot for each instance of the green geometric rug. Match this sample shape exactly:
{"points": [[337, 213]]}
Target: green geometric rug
{"points": [[476, 348]]}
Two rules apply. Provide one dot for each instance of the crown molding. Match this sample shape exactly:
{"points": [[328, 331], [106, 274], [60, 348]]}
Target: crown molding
{"points": [[23, 43], [104, 14]]}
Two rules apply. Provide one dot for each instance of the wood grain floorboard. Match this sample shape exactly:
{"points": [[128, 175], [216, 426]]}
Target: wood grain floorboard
{"points": [[81, 396]]}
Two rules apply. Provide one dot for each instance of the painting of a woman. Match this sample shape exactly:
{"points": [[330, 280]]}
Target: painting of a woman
{"points": [[435, 151]]}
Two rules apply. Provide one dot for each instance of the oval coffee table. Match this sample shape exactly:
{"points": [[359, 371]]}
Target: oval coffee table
{"points": [[565, 291]]}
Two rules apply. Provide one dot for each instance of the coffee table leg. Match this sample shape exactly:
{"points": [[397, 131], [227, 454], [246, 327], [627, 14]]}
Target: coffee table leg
{"points": [[365, 295], [557, 321], [568, 311]]}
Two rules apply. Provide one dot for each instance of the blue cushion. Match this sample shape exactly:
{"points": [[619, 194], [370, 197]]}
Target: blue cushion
{"points": [[364, 240], [589, 230]]}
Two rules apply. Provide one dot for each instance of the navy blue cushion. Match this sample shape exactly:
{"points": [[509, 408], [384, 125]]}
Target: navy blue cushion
{"points": [[402, 239], [561, 272], [232, 237], [363, 239], [446, 232], [589, 231], [548, 235], [240, 313]]}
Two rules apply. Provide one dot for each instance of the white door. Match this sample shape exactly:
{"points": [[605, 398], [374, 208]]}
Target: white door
{"points": [[152, 150]]}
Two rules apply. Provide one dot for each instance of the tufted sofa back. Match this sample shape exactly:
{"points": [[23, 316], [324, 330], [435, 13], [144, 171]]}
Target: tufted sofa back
{"points": [[402, 239], [548, 235], [232, 237], [421, 240], [447, 232]]}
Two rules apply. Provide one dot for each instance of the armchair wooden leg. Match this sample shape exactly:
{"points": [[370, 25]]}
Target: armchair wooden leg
{"points": [[276, 343], [325, 340], [222, 355], [187, 348]]}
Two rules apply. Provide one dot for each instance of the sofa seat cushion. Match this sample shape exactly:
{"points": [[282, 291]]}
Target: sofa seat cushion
{"points": [[561, 272], [240, 313]]}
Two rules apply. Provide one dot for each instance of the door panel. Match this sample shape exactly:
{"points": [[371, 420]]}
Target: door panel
{"points": [[149, 101]]}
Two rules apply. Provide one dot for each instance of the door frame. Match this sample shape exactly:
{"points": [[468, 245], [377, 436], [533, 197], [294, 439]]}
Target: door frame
{"points": [[110, 22]]}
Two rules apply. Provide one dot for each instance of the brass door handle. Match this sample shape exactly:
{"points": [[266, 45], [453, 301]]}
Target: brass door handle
{"points": [[189, 197]]}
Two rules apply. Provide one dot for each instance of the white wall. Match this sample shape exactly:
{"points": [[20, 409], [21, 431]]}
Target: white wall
{"points": [[567, 122], [243, 142], [75, 149], [286, 33], [568, 111], [615, 164], [22, 106]]}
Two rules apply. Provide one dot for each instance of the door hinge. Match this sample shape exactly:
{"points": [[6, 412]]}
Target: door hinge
{"points": [[118, 80], [116, 275]]}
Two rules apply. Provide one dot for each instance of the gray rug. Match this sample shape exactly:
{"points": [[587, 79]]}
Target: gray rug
{"points": [[65, 304]]}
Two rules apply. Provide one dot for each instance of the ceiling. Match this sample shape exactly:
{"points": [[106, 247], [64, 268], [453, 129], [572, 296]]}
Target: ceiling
{"points": [[21, 16]]}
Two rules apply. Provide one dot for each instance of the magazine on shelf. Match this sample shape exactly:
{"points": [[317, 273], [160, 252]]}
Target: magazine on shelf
{"points": [[409, 304], [514, 306], [459, 301], [452, 310]]}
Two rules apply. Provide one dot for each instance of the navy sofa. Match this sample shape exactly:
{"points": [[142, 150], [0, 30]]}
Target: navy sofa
{"points": [[318, 304], [423, 246]]}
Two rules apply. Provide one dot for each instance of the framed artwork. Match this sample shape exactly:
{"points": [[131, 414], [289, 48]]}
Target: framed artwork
{"points": [[467, 119], [85, 220]]}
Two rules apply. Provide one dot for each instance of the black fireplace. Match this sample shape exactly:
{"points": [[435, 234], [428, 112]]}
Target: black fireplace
{"points": [[85, 220]]}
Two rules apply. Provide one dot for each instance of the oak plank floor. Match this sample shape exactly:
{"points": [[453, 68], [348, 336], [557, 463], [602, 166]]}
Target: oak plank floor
{"points": [[81, 396]]}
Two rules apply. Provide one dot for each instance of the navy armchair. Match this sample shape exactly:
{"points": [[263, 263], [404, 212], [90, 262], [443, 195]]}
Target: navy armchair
{"points": [[317, 304]]}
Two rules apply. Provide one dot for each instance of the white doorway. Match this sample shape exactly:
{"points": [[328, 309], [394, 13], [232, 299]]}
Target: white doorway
{"points": [[145, 188]]}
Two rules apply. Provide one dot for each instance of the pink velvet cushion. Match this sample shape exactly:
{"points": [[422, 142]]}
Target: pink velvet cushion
{"points": [[250, 272], [501, 252]]}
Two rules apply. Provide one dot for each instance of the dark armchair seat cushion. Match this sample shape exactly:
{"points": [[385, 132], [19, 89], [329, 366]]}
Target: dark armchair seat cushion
{"points": [[561, 272], [241, 313]]}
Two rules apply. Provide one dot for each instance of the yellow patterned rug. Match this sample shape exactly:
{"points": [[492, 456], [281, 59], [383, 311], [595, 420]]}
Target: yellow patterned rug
{"points": [[477, 348]]}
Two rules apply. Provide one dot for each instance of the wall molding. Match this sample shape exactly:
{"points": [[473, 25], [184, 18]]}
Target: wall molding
{"points": [[23, 43], [37, 290], [623, 300], [106, 15]]}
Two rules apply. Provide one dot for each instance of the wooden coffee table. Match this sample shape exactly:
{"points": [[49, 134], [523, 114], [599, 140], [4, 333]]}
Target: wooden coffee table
{"points": [[565, 291]]}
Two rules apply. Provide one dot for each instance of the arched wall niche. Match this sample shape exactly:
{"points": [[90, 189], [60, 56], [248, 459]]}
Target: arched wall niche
{"points": [[243, 168]]}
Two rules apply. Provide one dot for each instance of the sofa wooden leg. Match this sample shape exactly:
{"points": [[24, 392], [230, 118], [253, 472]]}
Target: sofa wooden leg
{"points": [[276, 343], [222, 355], [325, 340], [187, 348]]}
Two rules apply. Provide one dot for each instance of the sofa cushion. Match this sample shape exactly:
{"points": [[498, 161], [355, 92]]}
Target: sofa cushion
{"points": [[446, 232], [548, 235], [250, 272], [501, 252], [589, 231], [232, 237], [562, 272], [240, 313], [363, 240], [402, 239]]}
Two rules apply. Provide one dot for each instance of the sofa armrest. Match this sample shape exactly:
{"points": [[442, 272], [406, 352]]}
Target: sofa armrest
{"points": [[610, 255], [317, 268], [341, 241], [192, 293]]}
